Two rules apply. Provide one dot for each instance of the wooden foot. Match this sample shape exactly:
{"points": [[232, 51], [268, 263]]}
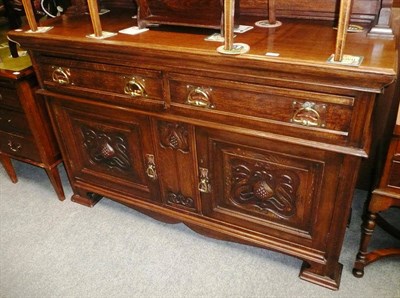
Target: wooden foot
{"points": [[331, 281], [358, 272], [55, 180], [88, 200], [7, 164]]}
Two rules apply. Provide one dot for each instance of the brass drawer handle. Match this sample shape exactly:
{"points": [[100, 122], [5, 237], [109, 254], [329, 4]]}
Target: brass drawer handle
{"points": [[199, 97], [204, 184], [309, 114], [15, 147], [135, 87], [61, 75], [151, 167]]}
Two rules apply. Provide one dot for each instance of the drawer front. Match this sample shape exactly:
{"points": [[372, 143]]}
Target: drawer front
{"points": [[9, 98], [121, 85], [263, 107], [19, 146], [14, 122]]}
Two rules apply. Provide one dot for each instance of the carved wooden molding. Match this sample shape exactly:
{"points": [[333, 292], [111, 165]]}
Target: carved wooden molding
{"points": [[262, 188], [106, 149], [179, 199], [174, 136]]}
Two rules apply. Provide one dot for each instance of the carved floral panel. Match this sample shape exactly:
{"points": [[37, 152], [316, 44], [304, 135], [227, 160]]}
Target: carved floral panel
{"points": [[262, 187], [174, 136], [106, 148]]}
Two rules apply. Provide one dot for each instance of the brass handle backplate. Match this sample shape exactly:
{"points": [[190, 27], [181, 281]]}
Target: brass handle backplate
{"points": [[15, 147], [135, 87], [204, 184], [199, 97], [309, 114], [61, 75], [151, 167]]}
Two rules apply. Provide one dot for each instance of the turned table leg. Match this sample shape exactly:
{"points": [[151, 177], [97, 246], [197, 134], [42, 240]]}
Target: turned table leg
{"points": [[377, 204], [366, 233], [7, 164]]}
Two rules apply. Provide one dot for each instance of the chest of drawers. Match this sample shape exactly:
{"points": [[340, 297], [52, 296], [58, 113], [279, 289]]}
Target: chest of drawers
{"points": [[25, 130], [259, 150]]}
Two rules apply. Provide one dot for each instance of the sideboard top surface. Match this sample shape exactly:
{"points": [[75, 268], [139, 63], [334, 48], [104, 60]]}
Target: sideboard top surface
{"points": [[303, 47]]}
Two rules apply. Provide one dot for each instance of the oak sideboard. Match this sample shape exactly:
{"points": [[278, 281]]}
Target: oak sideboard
{"points": [[261, 148]]}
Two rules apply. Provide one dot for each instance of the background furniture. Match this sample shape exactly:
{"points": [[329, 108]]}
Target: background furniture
{"points": [[259, 150], [25, 132], [14, 11], [385, 196]]}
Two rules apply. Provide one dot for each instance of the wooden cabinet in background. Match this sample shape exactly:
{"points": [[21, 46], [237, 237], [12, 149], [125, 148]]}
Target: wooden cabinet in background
{"points": [[25, 130]]}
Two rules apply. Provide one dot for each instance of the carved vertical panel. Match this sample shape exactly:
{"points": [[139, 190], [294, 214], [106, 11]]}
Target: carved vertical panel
{"points": [[174, 135], [178, 164]]}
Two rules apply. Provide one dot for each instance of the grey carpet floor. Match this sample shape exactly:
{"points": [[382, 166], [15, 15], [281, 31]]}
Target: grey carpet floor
{"points": [[50, 248]]}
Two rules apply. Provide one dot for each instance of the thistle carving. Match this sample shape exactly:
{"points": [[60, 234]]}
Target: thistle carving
{"points": [[174, 135], [179, 199], [106, 149], [263, 188]]}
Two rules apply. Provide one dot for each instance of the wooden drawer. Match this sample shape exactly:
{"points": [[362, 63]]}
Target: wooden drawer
{"points": [[9, 97], [122, 85], [262, 107], [14, 122], [18, 146]]}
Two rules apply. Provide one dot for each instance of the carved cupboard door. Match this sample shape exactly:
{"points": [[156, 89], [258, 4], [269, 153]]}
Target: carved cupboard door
{"points": [[107, 149], [280, 190], [176, 155]]}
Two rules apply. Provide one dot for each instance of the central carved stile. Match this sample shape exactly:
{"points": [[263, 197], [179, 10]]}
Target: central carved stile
{"points": [[174, 136]]}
